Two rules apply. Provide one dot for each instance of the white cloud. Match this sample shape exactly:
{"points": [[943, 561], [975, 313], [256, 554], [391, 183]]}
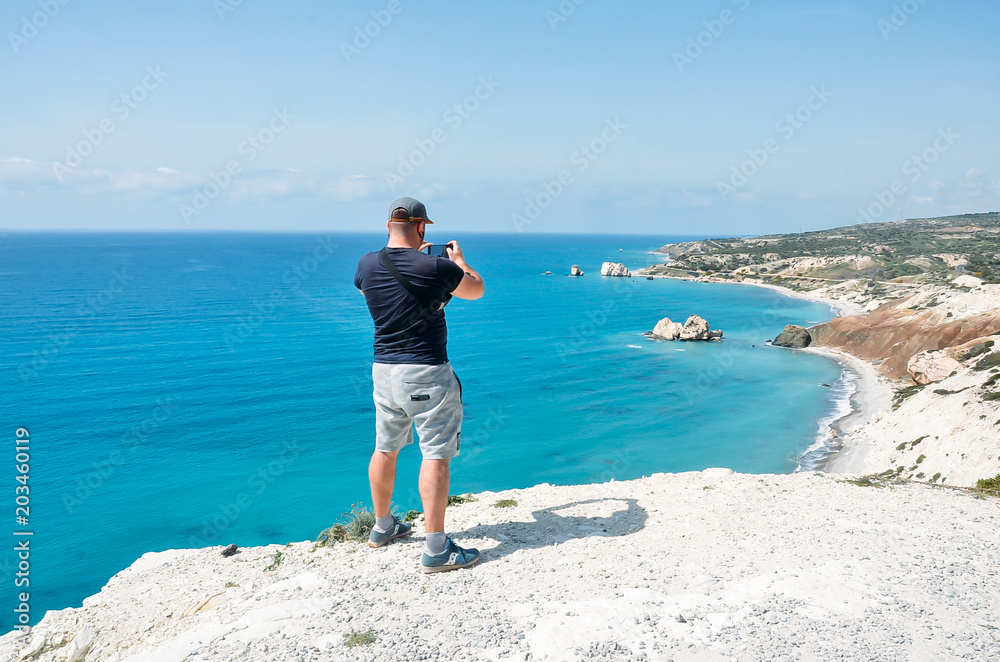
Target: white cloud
{"points": [[689, 199], [351, 187], [24, 176], [432, 192]]}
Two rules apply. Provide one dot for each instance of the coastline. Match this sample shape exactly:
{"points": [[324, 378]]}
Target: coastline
{"points": [[871, 397], [838, 307], [943, 431]]}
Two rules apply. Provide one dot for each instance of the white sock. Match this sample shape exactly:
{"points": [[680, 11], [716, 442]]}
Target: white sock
{"points": [[383, 524], [435, 543]]}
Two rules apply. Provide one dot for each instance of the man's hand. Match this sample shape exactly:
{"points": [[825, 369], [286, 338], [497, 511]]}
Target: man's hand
{"points": [[472, 286]]}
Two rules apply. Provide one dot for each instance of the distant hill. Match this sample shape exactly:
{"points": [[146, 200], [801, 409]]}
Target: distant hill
{"points": [[919, 250]]}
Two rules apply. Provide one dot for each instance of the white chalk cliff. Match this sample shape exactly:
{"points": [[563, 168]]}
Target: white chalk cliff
{"points": [[696, 566]]}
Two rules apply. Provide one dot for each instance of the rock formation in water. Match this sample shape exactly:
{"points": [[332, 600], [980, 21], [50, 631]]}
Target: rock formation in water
{"points": [[575, 271], [695, 328], [793, 336], [615, 269]]}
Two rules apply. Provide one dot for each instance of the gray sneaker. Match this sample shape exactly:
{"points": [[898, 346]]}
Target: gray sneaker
{"points": [[397, 530], [452, 558]]}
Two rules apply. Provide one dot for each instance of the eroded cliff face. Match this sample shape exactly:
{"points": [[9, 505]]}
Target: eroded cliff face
{"points": [[893, 332]]}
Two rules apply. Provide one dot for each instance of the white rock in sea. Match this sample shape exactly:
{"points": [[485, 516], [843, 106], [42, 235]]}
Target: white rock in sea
{"points": [[695, 328], [575, 271], [667, 330], [931, 366], [614, 269]]}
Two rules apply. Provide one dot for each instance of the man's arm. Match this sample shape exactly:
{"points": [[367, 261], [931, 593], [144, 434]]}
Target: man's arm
{"points": [[472, 286]]}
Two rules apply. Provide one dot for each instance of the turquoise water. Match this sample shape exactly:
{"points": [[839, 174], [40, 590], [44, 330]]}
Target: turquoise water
{"points": [[197, 389]]}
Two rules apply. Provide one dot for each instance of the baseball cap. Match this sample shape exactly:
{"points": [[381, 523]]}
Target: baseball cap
{"points": [[415, 210]]}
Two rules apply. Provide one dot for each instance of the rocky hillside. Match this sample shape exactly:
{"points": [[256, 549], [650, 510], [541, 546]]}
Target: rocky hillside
{"points": [[914, 251], [894, 332], [924, 307]]}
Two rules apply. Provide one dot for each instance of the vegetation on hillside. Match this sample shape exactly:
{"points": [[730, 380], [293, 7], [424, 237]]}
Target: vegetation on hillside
{"points": [[914, 250]]}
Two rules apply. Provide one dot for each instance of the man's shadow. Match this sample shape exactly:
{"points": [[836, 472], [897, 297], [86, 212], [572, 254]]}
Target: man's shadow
{"points": [[551, 528]]}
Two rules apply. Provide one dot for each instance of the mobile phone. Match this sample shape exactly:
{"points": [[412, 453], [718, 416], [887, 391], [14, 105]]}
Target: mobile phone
{"points": [[438, 249]]}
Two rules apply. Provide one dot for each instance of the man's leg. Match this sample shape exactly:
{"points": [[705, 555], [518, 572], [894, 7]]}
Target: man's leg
{"points": [[434, 479], [382, 477]]}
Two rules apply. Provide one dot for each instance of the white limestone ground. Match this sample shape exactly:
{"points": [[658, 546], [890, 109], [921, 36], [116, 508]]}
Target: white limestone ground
{"points": [[696, 566], [945, 432]]}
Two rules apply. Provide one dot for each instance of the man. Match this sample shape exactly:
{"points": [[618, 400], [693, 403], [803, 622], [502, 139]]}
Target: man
{"points": [[406, 291]]}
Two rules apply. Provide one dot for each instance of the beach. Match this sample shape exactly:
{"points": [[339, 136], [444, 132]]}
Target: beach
{"points": [[706, 565], [871, 398], [946, 433]]}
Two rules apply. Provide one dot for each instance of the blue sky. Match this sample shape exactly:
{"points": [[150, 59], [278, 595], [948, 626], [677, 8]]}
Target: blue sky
{"points": [[716, 118]]}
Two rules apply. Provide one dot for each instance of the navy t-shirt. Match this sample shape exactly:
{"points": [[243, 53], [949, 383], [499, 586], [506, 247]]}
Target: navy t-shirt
{"points": [[406, 331]]}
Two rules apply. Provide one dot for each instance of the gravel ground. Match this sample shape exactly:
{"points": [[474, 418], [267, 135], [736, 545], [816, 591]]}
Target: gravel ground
{"points": [[696, 566]]}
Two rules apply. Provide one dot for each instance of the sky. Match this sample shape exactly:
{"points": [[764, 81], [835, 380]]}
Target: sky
{"points": [[713, 118]]}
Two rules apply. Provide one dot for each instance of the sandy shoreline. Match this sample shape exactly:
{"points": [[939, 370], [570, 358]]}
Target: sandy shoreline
{"points": [[872, 397]]}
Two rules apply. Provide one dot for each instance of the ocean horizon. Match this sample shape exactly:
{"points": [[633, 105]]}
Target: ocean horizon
{"points": [[196, 389]]}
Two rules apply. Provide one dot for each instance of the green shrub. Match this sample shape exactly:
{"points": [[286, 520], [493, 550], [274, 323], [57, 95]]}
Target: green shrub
{"points": [[903, 393], [336, 533], [944, 391], [505, 503], [364, 638], [884, 479], [989, 397], [360, 523], [411, 516], [275, 561], [991, 360], [358, 527], [455, 500], [989, 485]]}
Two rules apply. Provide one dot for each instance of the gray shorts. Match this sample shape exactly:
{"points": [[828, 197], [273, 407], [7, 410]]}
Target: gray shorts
{"points": [[428, 396]]}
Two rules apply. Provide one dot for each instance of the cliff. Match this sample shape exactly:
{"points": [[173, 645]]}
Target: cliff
{"points": [[894, 332], [914, 293], [696, 566]]}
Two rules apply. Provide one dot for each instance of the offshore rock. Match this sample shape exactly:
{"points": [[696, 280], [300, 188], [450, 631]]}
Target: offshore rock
{"points": [[793, 336], [667, 330], [695, 328], [615, 269], [575, 271]]}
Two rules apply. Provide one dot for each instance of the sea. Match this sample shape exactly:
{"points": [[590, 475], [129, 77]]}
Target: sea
{"points": [[198, 389]]}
